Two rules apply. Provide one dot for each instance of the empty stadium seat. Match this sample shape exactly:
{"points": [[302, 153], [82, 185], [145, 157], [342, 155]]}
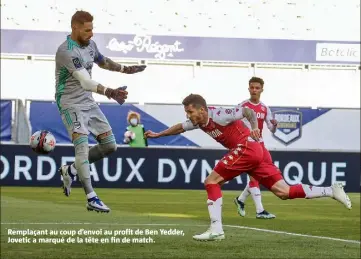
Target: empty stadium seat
{"points": [[289, 19]]}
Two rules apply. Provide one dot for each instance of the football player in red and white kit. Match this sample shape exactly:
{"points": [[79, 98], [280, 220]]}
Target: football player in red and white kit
{"points": [[245, 155], [264, 114]]}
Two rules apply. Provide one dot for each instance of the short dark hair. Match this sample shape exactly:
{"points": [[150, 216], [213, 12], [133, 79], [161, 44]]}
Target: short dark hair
{"points": [[81, 17], [256, 80], [195, 100]]}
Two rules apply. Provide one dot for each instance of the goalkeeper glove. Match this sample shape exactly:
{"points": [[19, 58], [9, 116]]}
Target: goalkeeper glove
{"points": [[118, 94], [133, 69]]}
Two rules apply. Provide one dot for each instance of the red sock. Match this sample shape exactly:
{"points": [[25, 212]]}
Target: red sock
{"points": [[253, 183], [296, 191], [214, 191]]}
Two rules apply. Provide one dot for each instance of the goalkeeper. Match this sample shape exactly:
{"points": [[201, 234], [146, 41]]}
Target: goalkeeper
{"points": [[79, 112]]}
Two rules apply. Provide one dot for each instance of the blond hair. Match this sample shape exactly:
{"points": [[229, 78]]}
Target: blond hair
{"points": [[132, 114]]}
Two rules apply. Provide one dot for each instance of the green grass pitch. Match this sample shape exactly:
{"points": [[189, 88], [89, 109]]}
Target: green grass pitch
{"points": [[184, 210]]}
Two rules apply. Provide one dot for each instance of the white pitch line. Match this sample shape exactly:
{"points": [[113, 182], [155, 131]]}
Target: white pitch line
{"points": [[185, 225], [294, 234]]}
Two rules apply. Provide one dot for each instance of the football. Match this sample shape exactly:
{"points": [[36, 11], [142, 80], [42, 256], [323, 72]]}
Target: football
{"points": [[42, 142], [129, 134]]}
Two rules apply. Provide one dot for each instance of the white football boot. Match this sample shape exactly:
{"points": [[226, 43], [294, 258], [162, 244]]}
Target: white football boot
{"points": [[265, 215], [67, 179], [209, 235], [95, 204], [340, 195], [240, 207]]}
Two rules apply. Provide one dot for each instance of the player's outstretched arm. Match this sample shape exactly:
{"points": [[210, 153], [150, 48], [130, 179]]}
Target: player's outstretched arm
{"points": [[89, 84], [108, 64], [174, 130]]}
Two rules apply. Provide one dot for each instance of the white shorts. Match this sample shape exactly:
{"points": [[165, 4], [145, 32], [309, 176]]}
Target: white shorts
{"points": [[85, 120]]}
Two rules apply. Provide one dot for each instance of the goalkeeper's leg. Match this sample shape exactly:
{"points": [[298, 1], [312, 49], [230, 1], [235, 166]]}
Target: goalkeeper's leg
{"points": [[106, 145], [82, 164]]}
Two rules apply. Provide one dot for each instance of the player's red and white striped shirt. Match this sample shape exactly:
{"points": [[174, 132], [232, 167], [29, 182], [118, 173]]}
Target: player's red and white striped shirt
{"points": [[263, 113], [225, 126]]}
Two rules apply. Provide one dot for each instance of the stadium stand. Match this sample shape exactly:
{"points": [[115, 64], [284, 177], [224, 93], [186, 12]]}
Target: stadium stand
{"points": [[287, 19], [283, 19]]}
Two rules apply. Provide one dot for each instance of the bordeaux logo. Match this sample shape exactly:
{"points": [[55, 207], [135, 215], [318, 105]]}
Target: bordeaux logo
{"points": [[289, 128], [77, 124]]}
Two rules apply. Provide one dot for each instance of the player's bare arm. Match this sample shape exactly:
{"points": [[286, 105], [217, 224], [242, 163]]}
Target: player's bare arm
{"points": [[270, 121], [110, 65], [274, 125], [174, 130], [251, 116]]}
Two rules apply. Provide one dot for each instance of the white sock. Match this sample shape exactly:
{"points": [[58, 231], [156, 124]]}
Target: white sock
{"points": [[73, 170], [244, 194], [91, 195], [215, 214], [316, 192], [256, 196]]}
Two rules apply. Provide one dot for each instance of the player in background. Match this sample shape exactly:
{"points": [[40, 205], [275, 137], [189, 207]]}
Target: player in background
{"points": [[245, 155], [264, 114], [79, 112]]}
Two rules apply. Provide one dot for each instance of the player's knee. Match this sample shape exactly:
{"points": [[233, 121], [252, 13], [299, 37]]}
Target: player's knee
{"points": [[80, 142], [213, 178], [107, 142], [77, 135], [112, 147], [282, 195], [210, 180], [212, 183]]}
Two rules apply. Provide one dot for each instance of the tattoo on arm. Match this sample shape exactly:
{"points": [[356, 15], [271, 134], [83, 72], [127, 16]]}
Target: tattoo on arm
{"points": [[110, 65], [251, 116]]}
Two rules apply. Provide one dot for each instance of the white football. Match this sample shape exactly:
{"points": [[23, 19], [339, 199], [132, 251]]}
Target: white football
{"points": [[42, 142], [129, 134]]}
